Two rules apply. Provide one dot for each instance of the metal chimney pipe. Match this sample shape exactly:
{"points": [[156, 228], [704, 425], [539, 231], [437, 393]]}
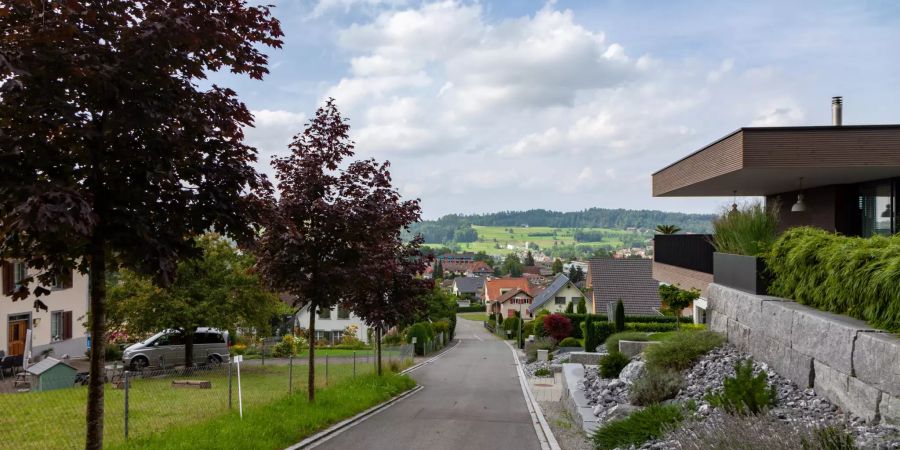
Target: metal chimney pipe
{"points": [[837, 111]]}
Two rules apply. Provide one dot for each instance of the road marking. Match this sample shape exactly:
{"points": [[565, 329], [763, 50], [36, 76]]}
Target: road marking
{"points": [[541, 427], [478, 337]]}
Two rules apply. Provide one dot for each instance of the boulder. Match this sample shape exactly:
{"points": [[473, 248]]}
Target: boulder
{"points": [[631, 372]]}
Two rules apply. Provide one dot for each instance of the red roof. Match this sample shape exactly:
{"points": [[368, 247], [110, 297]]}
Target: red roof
{"points": [[511, 294], [492, 287]]}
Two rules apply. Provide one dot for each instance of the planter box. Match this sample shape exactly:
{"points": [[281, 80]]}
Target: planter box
{"points": [[744, 273]]}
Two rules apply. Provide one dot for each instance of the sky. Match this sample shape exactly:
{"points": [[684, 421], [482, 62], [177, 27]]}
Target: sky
{"points": [[565, 105]]}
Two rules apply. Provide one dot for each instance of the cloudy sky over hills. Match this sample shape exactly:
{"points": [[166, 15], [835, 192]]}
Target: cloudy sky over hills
{"points": [[486, 106]]}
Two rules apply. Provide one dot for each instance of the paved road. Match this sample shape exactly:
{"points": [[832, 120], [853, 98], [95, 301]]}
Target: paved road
{"points": [[472, 400]]}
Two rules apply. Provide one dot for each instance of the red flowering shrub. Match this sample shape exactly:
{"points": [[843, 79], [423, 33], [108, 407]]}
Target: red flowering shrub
{"points": [[557, 326]]}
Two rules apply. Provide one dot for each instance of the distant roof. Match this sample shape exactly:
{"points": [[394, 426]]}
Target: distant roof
{"points": [[45, 365], [531, 269], [468, 284], [628, 279], [492, 287], [558, 283], [510, 294]]}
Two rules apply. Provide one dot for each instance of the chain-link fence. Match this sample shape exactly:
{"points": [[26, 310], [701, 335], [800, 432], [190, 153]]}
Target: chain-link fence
{"points": [[141, 403]]}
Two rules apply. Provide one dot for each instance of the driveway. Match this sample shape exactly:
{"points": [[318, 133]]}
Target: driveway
{"points": [[471, 399]]}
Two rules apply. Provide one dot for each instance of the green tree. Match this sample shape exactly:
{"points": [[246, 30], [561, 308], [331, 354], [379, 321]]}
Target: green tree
{"points": [[529, 259], [115, 149], [438, 270], [576, 274], [620, 316], [512, 266], [590, 334], [667, 229], [557, 266], [676, 299], [582, 306], [218, 289], [570, 308]]}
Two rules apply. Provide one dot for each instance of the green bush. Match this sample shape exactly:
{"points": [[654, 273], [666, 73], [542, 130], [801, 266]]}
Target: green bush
{"points": [[656, 319], [612, 342], [845, 275], [470, 309], [422, 331], [539, 324], [603, 330], [392, 339], [734, 432], [511, 324], [442, 326], [612, 364], [538, 344], [655, 386], [590, 334], [577, 324], [582, 306], [543, 372], [750, 230], [619, 319], [289, 345], [744, 393], [570, 308], [569, 342], [650, 327], [682, 350], [639, 427], [528, 328]]}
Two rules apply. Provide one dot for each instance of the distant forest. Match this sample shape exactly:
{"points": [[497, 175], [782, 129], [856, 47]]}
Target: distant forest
{"points": [[454, 226]]}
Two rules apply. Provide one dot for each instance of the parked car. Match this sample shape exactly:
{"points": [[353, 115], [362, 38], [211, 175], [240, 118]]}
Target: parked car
{"points": [[166, 348]]}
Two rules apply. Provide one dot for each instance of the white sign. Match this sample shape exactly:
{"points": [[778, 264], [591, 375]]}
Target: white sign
{"points": [[237, 360], [414, 340]]}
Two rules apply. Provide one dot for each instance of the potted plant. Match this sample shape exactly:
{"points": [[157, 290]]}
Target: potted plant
{"points": [[742, 236]]}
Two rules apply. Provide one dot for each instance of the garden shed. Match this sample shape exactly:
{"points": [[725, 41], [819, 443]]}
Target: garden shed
{"points": [[49, 374]]}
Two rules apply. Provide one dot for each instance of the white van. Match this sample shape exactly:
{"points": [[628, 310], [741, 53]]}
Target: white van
{"points": [[166, 348]]}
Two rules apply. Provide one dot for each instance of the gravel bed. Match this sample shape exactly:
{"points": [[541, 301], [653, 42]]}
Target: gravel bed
{"points": [[554, 365]]}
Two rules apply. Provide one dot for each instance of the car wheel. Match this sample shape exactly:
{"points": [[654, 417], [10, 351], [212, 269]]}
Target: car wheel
{"points": [[214, 360], [139, 363]]}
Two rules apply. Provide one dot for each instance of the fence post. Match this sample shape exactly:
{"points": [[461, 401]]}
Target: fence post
{"points": [[291, 373], [326, 370], [126, 403], [230, 365], [354, 364], [263, 352]]}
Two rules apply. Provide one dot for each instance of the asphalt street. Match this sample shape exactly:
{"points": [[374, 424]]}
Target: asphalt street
{"points": [[471, 399]]}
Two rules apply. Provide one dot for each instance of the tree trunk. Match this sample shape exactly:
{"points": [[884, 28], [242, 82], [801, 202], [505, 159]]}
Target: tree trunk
{"points": [[378, 347], [188, 348], [97, 273], [311, 383]]}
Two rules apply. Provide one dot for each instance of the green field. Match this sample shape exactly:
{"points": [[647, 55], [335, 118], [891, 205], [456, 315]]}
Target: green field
{"points": [[494, 240]]}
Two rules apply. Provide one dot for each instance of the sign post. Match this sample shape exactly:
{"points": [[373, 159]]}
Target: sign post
{"points": [[237, 361]]}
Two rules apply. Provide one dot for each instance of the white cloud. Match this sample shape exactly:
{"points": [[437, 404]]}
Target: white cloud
{"points": [[325, 6]]}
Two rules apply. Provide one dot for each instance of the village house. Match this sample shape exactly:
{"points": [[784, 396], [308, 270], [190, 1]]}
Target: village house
{"points": [[496, 287], [558, 295], [630, 279]]}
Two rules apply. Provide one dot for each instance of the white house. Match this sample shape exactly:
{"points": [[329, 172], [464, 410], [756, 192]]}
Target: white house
{"points": [[559, 294], [331, 323], [56, 320]]}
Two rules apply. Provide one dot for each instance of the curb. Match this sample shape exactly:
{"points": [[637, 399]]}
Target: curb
{"points": [[541, 427], [336, 429]]}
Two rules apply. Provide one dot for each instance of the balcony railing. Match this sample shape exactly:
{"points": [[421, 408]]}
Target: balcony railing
{"points": [[688, 251]]}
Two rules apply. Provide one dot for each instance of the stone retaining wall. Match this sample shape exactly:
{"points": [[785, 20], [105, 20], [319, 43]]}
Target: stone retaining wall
{"points": [[853, 365]]}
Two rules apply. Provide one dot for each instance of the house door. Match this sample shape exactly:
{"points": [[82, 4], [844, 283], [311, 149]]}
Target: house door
{"points": [[16, 336]]}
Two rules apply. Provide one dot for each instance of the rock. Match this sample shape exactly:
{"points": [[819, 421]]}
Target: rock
{"points": [[619, 411], [631, 372]]}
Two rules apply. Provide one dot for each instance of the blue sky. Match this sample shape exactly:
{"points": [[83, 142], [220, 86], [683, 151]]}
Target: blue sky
{"points": [[489, 106]]}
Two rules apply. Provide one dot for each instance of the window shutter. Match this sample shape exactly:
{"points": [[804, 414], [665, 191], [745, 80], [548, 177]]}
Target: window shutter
{"points": [[67, 279], [67, 325], [7, 278]]}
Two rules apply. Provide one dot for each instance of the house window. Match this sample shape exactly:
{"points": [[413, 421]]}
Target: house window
{"points": [[337, 336], [62, 281], [576, 300], [20, 271], [560, 300], [876, 203], [325, 313], [343, 313]]}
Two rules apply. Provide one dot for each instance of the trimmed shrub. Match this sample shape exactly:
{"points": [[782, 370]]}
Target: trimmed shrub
{"points": [[422, 331], [569, 342], [470, 309], [655, 386], [528, 328], [750, 230], [845, 275], [582, 306], [543, 372], [682, 350], [639, 427], [442, 326], [650, 327], [590, 335], [570, 308], [744, 393], [577, 324], [619, 319], [656, 319], [558, 326], [392, 339], [612, 364], [612, 342]]}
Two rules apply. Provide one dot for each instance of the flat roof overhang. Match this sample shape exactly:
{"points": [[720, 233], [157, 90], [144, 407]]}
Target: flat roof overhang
{"points": [[765, 161]]}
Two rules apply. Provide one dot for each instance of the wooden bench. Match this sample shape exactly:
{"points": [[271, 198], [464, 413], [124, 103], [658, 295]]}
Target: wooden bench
{"points": [[196, 384]]}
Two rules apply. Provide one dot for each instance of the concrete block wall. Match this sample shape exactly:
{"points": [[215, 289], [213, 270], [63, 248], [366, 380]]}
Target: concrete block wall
{"points": [[853, 365]]}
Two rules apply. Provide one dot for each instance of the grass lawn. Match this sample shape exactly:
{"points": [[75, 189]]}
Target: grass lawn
{"points": [[489, 238], [480, 317], [280, 423], [339, 352], [55, 419]]}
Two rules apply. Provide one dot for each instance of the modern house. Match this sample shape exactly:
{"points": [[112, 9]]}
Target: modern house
{"points": [[515, 301], [57, 321], [558, 295], [631, 280], [494, 288], [841, 178], [468, 289], [331, 324]]}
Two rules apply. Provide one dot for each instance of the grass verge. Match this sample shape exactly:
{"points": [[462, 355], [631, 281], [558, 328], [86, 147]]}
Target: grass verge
{"points": [[283, 422], [479, 317]]}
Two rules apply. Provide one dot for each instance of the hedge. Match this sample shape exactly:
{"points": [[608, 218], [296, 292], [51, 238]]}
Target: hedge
{"points": [[649, 327], [471, 309], [845, 275]]}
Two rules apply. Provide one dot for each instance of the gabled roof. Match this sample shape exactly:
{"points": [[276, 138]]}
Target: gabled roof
{"points": [[492, 287], [45, 365], [558, 283], [468, 284], [512, 294], [628, 279]]}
